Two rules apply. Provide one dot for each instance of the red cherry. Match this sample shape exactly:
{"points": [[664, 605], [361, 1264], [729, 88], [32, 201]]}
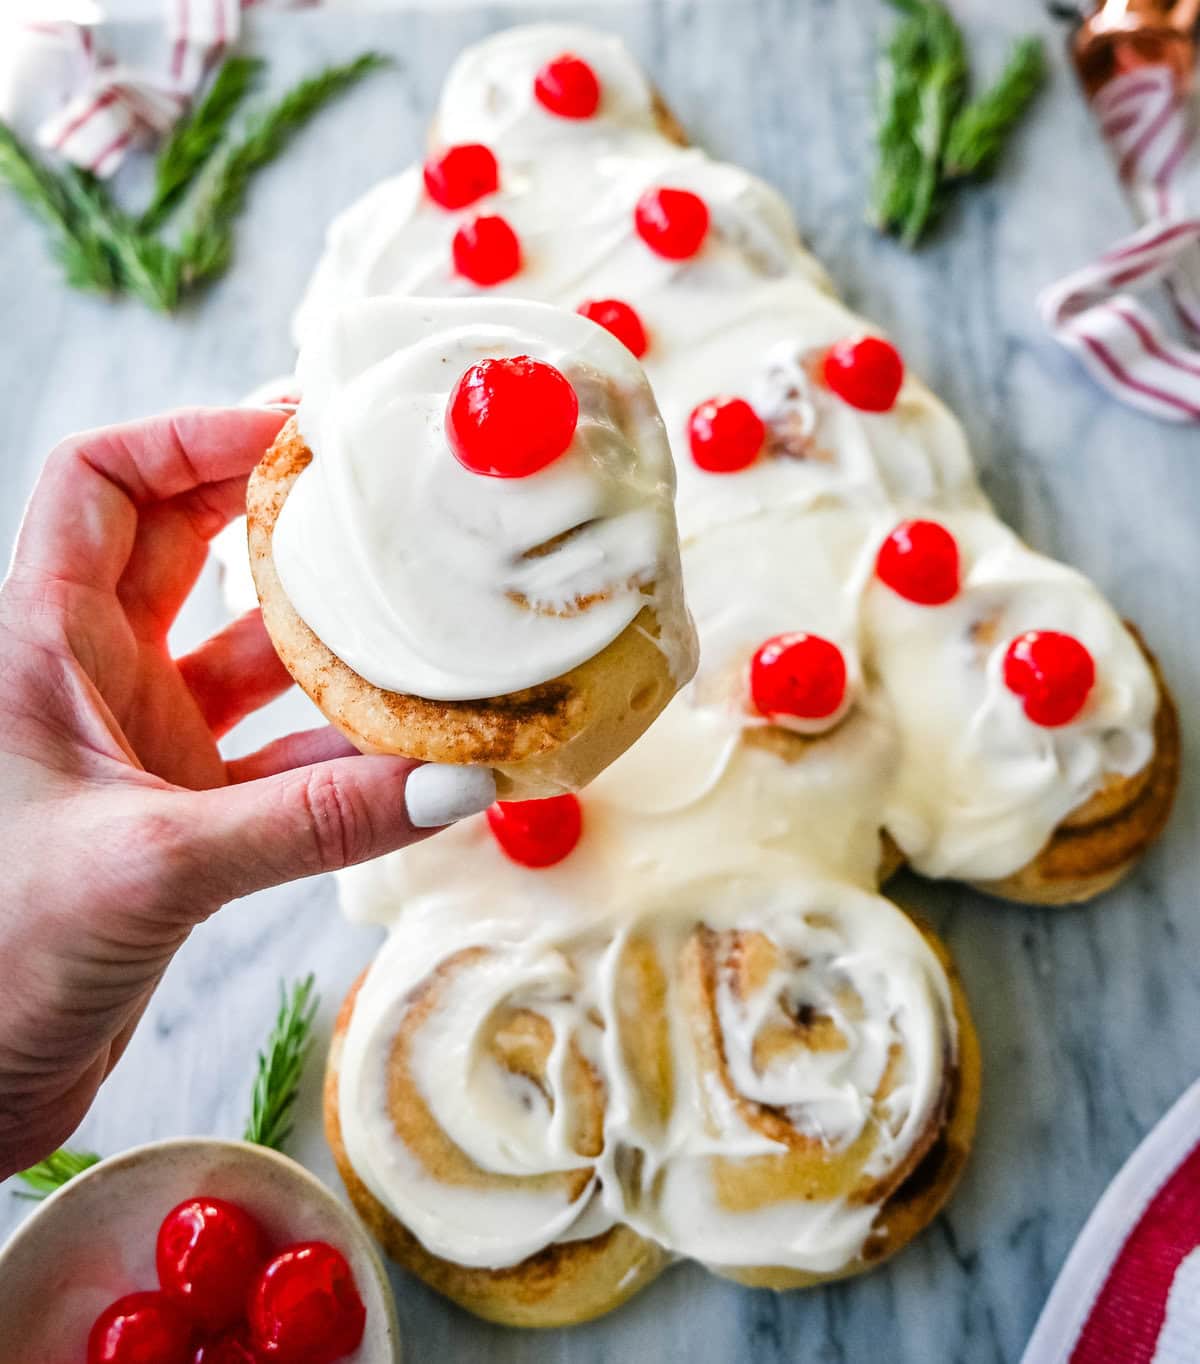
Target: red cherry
{"points": [[460, 175], [800, 675], [486, 250], [618, 318], [1052, 673], [231, 1348], [919, 562], [537, 833], [141, 1328], [568, 87], [304, 1307], [207, 1253], [725, 435], [867, 373], [510, 418], [672, 222]]}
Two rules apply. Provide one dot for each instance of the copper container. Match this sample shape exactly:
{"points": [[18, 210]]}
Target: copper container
{"points": [[1123, 35]]}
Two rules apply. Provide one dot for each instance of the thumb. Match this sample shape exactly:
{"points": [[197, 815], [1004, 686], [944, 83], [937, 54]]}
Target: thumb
{"points": [[327, 816]]}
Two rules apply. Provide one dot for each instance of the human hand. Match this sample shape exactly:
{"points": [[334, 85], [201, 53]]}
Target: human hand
{"points": [[121, 826]]}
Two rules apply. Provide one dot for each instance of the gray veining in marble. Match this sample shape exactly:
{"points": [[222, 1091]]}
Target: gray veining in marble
{"points": [[1090, 1020]]}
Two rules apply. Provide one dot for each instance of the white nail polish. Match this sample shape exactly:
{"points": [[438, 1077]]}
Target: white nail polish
{"points": [[440, 793]]}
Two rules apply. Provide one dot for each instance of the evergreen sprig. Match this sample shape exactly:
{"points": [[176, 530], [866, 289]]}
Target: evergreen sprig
{"points": [[82, 254], [928, 137], [59, 1168], [103, 248], [207, 242], [196, 137], [281, 1065], [980, 131]]}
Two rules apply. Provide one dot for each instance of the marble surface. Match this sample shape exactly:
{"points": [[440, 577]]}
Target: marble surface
{"points": [[1090, 1020]]}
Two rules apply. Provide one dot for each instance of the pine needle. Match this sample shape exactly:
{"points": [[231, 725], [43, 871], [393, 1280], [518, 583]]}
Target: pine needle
{"points": [[207, 244], [981, 131], [281, 1065], [197, 136], [59, 1168]]}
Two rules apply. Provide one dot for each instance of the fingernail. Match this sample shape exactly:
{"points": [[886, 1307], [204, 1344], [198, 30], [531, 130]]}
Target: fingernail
{"points": [[441, 793]]}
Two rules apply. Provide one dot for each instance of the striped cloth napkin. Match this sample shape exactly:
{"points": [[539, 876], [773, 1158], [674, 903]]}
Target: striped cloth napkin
{"points": [[100, 108], [1129, 1292], [1151, 127]]}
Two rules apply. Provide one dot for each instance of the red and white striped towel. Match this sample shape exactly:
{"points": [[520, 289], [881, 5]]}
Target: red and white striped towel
{"points": [[1129, 1292], [106, 108], [1151, 129]]}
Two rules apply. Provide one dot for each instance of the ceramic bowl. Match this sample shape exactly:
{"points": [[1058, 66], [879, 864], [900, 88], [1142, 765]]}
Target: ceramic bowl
{"points": [[92, 1241]]}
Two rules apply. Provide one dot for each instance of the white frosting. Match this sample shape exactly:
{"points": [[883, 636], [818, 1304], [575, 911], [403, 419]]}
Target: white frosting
{"points": [[562, 961], [708, 817], [430, 579]]}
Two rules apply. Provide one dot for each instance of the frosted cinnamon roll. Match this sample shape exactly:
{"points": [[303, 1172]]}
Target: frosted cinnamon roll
{"points": [[1038, 747], [466, 1104], [465, 544], [534, 1107], [799, 1080]]}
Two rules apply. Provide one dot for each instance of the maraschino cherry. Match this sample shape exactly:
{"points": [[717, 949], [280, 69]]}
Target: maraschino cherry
{"points": [[304, 1307], [865, 373], [1052, 673], [618, 318], [919, 562], [141, 1328], [537, 833], [567, 86], [207, 1254], [798, 675], [231, 1348], [510, 418], [672, 222], [725, 435], [486, 250], [460, 175]]}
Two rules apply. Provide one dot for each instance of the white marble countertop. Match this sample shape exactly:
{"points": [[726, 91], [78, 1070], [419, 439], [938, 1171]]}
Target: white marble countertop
{"points": [[1090, 1020]]}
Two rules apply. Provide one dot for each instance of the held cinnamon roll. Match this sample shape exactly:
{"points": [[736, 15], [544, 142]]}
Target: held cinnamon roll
{"points": [[536, 1106], [464, 544]]}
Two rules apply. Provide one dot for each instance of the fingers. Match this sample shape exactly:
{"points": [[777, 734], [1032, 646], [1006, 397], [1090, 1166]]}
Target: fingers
{"points": [[81, 521], [169, 550], [234, 673], [295, 750], [324, 817]]}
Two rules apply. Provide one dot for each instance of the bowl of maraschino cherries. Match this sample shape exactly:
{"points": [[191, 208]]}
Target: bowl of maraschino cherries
{"points": [[194, 1252]]}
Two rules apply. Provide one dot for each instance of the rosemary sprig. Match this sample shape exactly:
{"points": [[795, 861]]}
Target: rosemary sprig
{"points": [[84, 257], [280, 1066], [196, 137], [942, 92], [56, 1170], [898, 108], [928, 138], [207, 243], [104, 248], [142, 264], [979, 133]]}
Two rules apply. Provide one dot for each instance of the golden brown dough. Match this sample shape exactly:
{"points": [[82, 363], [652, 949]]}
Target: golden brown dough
{"points": [[565, 1284]]}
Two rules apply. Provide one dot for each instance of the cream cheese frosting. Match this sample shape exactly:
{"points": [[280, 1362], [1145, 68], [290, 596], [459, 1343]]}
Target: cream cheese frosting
{"points": [[428, 578], [713, 819], [844, 955]]}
